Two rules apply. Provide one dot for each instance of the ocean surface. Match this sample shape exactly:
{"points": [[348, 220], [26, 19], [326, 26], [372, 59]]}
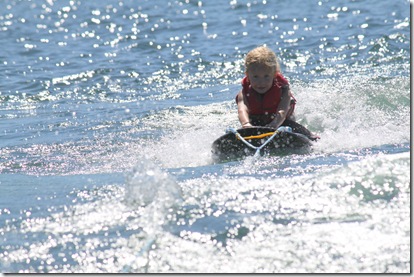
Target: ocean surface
{"points": [[108, 110]]}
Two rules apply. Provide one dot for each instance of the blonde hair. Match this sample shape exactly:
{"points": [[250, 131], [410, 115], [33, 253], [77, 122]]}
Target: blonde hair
{"points": [[264, 56]]}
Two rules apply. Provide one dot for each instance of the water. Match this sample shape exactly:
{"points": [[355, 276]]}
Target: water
{"points": [[108, 110]]}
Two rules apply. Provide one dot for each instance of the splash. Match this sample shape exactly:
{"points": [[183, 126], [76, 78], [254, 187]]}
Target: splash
{"points": [[150, 187], [148, 184], [354, 112]]}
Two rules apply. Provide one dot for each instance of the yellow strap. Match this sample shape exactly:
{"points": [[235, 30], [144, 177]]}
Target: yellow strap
{"points": [[259, 136]]}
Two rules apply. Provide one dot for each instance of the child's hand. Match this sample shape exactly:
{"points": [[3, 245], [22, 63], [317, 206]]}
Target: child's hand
{"points": [[272, 125], [247, 125]]}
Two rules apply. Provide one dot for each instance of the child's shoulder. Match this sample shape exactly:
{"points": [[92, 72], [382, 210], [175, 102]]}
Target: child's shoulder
{"points": [[281, 79]]}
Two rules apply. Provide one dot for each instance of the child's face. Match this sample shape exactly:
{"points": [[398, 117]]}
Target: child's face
{"points": [[261, 77]]}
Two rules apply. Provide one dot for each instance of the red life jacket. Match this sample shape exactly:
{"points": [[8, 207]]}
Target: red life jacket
{"points": [[263, 107]]}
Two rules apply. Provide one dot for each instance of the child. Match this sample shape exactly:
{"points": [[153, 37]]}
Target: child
{"points": [[266, 99]]}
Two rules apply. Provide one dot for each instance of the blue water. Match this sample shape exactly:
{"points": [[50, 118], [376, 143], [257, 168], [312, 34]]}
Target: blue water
{"points": [[108, 110]]}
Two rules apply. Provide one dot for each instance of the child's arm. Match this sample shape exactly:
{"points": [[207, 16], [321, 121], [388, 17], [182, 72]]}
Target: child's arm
{"points": [[282, 109], [243, 111]]}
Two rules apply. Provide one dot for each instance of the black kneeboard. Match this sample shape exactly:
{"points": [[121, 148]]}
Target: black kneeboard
{"points": [[229, 146]]}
